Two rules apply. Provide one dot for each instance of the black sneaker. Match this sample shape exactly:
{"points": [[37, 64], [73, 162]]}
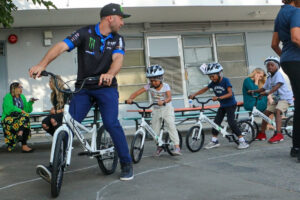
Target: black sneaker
{"points": [[294, 152], [44, 172], [126, 172]]}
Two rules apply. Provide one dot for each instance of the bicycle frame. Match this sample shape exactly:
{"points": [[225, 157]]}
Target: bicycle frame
{"points": [[204, 118], [144, 126], [71, 126], [256, 112]]}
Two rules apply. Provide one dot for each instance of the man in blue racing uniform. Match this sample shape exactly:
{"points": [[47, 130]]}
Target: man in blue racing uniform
{"points": [[100, 53]]}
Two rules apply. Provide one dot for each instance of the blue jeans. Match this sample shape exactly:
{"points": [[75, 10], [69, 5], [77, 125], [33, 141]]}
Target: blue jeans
{"points": [[107, 100]]}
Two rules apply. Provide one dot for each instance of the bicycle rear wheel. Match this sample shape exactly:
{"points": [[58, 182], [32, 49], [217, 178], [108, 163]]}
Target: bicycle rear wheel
{"points": [[256, 128], [170, 146], [108, 161], [59, 163], [194, 139], [247, 130], [288, 126], [137, 147]]}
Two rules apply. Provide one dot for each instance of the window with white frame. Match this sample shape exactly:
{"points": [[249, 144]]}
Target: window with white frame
{"points": [[132, 75]]}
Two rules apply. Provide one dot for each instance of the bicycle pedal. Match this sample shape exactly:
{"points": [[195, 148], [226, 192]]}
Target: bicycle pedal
{"points": [[84, 153], [230, 138]]}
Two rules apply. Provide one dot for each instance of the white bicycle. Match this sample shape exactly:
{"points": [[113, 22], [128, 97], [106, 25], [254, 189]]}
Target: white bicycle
{"points": [[288, 124], [101, 146], [162, 140], [195, 136]]}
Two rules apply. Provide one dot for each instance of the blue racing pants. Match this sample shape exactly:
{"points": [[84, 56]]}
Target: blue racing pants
{"points": [[108, 101]]}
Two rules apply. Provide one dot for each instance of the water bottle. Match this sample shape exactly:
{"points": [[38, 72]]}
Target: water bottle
{"points": [[191, 103]]}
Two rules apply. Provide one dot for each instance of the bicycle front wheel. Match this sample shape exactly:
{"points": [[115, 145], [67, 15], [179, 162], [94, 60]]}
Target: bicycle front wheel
{"points": [[194, 139], [59, 163], [107, 162], [170, 146], [137, 147], [247, 130], [288, 126]]}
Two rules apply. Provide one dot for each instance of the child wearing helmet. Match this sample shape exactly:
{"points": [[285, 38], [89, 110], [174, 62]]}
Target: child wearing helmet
{"points": [[282, 98], [161, 94], [224, 94]]}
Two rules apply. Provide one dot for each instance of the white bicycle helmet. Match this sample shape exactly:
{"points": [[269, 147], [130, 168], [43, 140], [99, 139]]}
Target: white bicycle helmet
{"points": [[213, 68], [154, 71], [272, 59]]}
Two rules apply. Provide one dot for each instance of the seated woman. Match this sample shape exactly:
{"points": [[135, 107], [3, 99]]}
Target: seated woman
{"points": [[15, 118], [58, 100], [256, 80]]}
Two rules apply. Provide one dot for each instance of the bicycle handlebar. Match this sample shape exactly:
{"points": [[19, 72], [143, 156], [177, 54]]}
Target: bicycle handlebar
{"points": [[254, 96], [45, 73], [202, 102], [143, 107], [257, 96]]}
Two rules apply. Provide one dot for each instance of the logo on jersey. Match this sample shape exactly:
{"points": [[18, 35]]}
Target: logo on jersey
{"points": [[90, 52], [92, 42], [219, 89], [75, 37], [111, 43]]}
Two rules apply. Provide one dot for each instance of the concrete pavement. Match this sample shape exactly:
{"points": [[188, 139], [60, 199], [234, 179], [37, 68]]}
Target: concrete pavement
{"points": [[264, 171]]}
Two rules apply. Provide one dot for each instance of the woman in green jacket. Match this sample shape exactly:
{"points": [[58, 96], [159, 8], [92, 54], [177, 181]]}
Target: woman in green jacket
{"points": [[15, 118], [255, 81]]}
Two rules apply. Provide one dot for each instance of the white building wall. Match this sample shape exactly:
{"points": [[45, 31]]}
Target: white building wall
{"points": [[29, 50]]}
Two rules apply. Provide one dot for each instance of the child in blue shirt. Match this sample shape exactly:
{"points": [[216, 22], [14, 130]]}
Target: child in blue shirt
{"points": [[224, 94]]}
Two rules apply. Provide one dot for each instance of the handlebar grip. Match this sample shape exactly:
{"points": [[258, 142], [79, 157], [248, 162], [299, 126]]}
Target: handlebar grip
{"points": [[125, 102], [189, 97], [93, 79], [44, 73]]}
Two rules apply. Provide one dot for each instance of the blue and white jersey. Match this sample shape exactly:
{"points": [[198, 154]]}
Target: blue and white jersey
{"points": [[220, 89]]}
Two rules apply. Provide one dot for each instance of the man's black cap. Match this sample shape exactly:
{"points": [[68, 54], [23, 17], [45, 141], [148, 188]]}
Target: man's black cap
{"points": [[113, 9]]}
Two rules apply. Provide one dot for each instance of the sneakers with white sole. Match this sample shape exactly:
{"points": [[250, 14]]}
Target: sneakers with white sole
{"points": [[243, 145], [212, 144]]}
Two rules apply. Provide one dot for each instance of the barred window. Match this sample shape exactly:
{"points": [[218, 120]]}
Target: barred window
{"points": [[232, 56], [2, 52], [165, 52], [132, 75], [227, 49], [197, 50]]}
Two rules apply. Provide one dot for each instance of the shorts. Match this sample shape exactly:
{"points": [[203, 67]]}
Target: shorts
{"points": [[282, 105]]}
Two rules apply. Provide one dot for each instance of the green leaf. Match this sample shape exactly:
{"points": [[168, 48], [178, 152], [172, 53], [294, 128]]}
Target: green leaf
{"points": [[7, 7]]}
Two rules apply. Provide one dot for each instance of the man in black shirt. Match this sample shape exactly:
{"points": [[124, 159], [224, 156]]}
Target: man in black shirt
{"points": [[100, 53]]}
